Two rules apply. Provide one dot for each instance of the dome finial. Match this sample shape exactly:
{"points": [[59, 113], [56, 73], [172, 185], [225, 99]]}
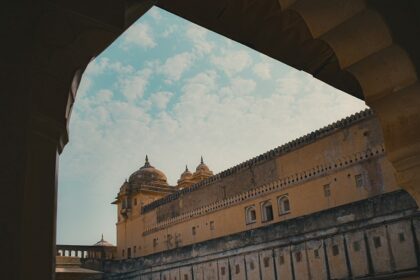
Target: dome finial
{"points": [[186, 168], [202, 161], [146, 163], [102, 237]]}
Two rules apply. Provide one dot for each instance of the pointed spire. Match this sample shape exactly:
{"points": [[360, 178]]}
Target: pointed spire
{"points": [[202, 161], [186, 168], [102, 237], [146, 163]]}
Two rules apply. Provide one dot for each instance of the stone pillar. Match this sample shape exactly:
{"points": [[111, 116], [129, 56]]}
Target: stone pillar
{"points": [[399, 114]]}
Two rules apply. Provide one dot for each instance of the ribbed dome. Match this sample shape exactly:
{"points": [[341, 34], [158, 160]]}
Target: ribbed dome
{"points": [[186, 174], [148, 175], [202, 166]]}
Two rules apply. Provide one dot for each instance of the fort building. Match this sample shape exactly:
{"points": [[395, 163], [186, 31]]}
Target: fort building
{"points": [[323, 206], [327, 189], [336, 165]]}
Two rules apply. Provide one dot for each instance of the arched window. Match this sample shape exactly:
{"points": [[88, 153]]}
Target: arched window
{"points": [[284, 204], [267, 211], [250, 214]]}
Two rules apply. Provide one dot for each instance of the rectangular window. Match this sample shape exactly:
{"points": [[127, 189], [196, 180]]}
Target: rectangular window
{"points": [[327, 190], [266, 261], [401, 236], [237, 269], [377, 242], [267, 211], [286, 205], [253, 215], [316, 253], [281, 260], [211, 225], [185, 276], [128, 252], [251, 265], [223, 270], [193, 230], [155, 243], [135, 201], [356, 246], [169, 240], [298, 256], [123, 253], [134, 250], [335, 250], [358, 180]]}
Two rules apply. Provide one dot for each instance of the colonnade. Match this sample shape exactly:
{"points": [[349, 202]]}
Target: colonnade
{"points": [[85, 252]]}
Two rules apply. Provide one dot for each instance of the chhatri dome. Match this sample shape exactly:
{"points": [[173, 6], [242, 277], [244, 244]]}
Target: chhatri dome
{"points": [[202, 171], [102, 242], [202, 167], [148, 175], [186, 174], [186, 179]]}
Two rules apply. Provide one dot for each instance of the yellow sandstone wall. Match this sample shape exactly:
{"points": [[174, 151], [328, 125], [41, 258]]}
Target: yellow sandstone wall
{"points": [[301, 174]]}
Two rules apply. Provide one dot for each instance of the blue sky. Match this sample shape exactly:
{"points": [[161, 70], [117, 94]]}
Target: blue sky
{"points": [[175, 91]]}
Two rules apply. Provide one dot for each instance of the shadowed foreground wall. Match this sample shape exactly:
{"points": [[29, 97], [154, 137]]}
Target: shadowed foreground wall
{"points": [[373, 237]]}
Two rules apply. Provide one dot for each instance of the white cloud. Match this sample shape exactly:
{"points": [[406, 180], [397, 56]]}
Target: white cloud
{"points": [[140, 34], [198, 36], [104, 95], [238, 87], [101, 65], [171, 29], [232, 61], [133, 86], [155, 14], [290, 83], [176, 65], [262, 70], [161, 99]]}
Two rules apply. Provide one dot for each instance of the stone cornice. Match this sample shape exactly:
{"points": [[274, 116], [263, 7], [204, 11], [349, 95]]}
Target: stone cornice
{"points": [[281, 150], [281, 184]]}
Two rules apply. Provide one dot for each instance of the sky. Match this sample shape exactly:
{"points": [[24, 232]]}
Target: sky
{"points": [[176, 91]]}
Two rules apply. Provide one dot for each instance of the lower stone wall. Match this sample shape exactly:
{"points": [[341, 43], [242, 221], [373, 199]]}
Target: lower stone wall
{"points": [[369, 239]]}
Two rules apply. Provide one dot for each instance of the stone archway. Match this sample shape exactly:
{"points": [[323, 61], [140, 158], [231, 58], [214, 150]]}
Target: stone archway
{"points": [[366, 48]]}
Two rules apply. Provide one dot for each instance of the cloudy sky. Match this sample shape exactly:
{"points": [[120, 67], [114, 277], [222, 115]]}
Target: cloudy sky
{"points": [[175, 91]]}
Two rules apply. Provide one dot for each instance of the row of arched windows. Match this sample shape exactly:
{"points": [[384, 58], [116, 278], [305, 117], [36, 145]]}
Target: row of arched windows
{"points": [[267, 213]]}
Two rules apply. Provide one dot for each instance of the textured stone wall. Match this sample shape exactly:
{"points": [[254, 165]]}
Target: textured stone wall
{"points": [[242, 181], [380, 238]]}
